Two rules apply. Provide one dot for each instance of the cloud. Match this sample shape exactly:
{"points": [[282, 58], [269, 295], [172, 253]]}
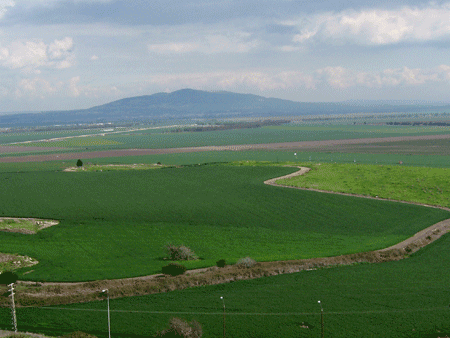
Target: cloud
{"points": [[256, 81], [237, 42], [260, 80], [31, 55], [4, 4], [336, 77], [36, 88], [172, 47], [42, 88], [377, 26], [342, 78]]}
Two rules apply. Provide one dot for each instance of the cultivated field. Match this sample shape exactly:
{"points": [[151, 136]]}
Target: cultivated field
{"points": [[220, 211], [225, 211]]}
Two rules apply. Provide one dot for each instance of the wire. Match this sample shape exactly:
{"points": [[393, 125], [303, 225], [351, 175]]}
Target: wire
{"points": [[253, 313]]}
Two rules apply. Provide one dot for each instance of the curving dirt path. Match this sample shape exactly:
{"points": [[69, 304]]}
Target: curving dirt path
{"points": [[413, 243], [39, 294]]}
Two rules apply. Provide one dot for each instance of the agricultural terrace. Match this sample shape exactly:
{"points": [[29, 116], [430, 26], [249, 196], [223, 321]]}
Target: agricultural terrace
{"points": [[219, 211]]}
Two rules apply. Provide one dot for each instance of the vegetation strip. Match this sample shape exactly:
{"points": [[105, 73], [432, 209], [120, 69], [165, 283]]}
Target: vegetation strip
{"points": [[39, 294]]}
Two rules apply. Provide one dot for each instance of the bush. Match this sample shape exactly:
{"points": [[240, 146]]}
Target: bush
{"points": [[181, 328], [8, 277], [246, 262], [221, 263], [79, 163], [180, 253], [173, 269]]}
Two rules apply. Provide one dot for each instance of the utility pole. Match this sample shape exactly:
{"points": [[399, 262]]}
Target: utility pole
{"points": [[321, 318], [13, 307], [223, 301], [109, 318]]}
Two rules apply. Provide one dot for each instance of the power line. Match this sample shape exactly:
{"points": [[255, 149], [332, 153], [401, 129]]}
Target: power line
{"points": [[253, 313]]}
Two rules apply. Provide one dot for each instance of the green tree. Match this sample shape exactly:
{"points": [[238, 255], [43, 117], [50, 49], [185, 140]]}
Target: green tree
{"points": [[8, 277], [79, 163]]}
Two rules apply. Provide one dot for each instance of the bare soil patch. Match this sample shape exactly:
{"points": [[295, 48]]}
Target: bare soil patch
{"points": [[13, 262], [25, 225]]}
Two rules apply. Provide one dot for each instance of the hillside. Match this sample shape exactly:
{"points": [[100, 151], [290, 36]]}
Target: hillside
{"points": [[192, 104]]}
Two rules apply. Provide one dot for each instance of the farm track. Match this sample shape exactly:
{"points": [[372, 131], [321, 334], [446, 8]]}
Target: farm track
{"points": [[303, 145], [40, 294]]}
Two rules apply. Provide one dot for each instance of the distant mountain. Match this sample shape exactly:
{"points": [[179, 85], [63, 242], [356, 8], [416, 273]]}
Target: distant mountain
{"points": [[191, 104]]}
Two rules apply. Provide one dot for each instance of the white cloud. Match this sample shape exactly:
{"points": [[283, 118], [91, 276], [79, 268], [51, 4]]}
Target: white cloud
{"points": [[261, 81], [339, 77], [36, 88], [336, 77], [59, 48], [74, 90], [173, 47], [378, 26], [31, 55], [209, 44], [94, 57], [4, 4], [229, 80], [41, 88]]}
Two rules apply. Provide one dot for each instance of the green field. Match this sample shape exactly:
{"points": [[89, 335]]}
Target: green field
{"points": [[407, 298], [271, 134], [415, 184], [220, 211], [115, 224]]}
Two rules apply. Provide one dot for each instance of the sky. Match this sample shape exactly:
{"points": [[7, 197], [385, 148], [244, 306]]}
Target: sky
{"points": [[74, 54]]}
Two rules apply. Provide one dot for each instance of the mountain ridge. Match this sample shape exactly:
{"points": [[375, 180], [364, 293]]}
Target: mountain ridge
{"points": [[193, 104]]}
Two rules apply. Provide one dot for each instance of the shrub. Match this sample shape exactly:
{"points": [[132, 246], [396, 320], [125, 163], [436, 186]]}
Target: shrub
{"points": [[79, 163], [180, 253], [8, 277], [246, 262], [181, 328], [173, 269], [221, 263]]}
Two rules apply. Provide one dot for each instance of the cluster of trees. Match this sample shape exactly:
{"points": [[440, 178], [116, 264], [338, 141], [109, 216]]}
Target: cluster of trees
{"points": [[233, 125], [418, 123]]}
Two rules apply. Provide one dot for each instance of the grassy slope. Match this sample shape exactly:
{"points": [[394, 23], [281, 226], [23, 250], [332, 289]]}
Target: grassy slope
{"points": [[408, 298], [416, 184], [219, 211]]}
